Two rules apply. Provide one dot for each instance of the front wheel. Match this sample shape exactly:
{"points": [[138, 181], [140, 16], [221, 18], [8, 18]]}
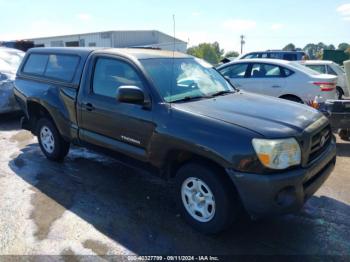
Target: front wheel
{"points": [[207, 201], [51, 142]]}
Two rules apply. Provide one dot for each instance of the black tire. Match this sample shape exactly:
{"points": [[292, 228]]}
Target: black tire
{"points": [[60, 148], [227, 203], [340, 93], [293, 98], [344, 134]]}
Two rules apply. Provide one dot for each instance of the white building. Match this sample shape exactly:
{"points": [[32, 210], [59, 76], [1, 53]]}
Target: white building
{"points": [[147, 38]]}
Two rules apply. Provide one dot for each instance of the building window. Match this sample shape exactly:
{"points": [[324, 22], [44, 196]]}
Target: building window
{"points": [[92, 44], [56, 43], [105, 35], [72, 44]]}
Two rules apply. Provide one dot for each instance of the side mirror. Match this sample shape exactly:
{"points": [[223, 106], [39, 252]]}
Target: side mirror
{"points": [[130, 95]]}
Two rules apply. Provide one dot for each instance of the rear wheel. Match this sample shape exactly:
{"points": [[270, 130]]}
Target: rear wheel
{"points": [[51, 142], [207, 201], [340, 93]]}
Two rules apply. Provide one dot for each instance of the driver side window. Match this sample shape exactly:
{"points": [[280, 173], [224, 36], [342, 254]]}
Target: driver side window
{"points": [[235, 71], [110, 74]]}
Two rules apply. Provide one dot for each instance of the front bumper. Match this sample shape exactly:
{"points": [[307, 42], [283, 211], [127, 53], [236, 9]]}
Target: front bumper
{"points": [[264, 195]]}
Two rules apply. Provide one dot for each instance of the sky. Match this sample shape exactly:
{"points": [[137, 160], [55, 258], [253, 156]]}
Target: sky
{"points": [[266, 24]]}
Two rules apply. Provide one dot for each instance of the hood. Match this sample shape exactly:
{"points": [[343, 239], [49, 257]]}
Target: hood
{"points": [[270, 117]]}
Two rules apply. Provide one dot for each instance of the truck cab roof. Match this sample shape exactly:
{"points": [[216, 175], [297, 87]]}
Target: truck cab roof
{"points": [[137, 53], [68, 63]]}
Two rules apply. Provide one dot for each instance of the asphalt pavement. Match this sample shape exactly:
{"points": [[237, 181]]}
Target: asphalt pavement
{"points": [[93, 205]]}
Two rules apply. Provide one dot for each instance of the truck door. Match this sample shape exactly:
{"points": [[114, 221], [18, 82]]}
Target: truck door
{"points": [[105, 122]]}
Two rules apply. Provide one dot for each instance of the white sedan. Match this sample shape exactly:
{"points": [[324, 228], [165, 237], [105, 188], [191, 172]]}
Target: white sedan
{"points": [[331, 68], [9, 62], [280, 78]]}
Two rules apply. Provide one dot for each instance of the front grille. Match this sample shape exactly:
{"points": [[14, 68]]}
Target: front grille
{"points": [[319, 142]]}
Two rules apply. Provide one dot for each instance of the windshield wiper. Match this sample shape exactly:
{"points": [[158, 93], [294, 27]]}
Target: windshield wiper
{"points": [[221, 93], [190, 98]]}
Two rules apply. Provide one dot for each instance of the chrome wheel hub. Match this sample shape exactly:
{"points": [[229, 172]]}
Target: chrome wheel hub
{"points": [[47, 139], [198, 199]]}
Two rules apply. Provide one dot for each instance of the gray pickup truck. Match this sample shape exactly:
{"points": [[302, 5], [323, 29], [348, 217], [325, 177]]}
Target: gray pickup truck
{"points": [[170, 113]]}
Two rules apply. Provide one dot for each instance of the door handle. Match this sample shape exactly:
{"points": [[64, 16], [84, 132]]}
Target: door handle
{"points": [[89, 107], [276, 86]]}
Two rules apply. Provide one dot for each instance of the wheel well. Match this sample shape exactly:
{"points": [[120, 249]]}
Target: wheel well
{"points": [[35, 112], [178, 158], [341, 89], [291, 97]]}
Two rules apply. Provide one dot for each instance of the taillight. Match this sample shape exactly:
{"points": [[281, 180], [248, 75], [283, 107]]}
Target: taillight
{"points": [[325, 86]]}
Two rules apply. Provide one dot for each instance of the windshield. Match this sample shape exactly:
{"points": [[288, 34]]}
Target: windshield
{"points": [[178, 79], [303, 68], [12, 59]]}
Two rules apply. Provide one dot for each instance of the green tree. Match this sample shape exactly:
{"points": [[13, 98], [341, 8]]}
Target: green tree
{"points": [[311, 50], [348, 51], [343, 46], [331, 47], [218, 50], [315, 51], [231, 54], [207, 51], [289, 47]]}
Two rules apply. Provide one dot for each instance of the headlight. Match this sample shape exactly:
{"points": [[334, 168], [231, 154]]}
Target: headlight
{"points": [[278, 154]]}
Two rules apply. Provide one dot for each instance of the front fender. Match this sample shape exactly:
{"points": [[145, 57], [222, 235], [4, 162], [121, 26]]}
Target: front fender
{"points": [[223, 143]]}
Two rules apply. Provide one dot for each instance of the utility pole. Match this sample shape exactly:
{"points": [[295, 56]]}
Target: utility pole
{"points": [[242, 43]]}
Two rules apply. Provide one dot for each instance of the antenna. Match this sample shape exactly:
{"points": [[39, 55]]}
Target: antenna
{"points": [[174, 24], [173, 69]]}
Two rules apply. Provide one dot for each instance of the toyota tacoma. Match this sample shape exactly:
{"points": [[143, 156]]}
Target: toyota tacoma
{"points": [[228, 151]]}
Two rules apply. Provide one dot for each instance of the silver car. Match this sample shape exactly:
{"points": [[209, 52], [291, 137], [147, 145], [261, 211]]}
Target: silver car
{"points": [[10, 59], [280, 78], [329, 67]]}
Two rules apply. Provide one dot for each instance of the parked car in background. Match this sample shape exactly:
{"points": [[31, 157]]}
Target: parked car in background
{"points": [[22, 45], [280, 78], [275, 54], [227, 150], [331, 68], [10, 59]]}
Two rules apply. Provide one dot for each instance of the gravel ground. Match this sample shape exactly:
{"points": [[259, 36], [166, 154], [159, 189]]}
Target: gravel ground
{"points": [[91, 205]]}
